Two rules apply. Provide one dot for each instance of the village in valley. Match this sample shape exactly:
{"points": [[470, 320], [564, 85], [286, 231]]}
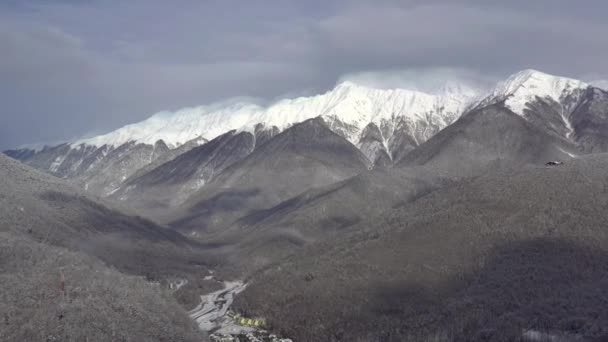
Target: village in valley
{"points": [[213, 315], [252, 331], [257, 336]]}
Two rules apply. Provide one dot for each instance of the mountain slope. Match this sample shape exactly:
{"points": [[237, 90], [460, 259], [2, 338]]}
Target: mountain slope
{"points": [[530, 118], [514, 250], [385, 124], [304, 156], [348, 103], [171, 183], [372, 144], [168, 156], [93, 302], [487, 136], [400, 114], [67, 266], [320, 214], [50, 211], [527, 86], [561, 106], [99, 170], [590, 121]]}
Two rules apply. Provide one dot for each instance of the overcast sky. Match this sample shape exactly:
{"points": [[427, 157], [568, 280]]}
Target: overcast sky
{"points": [[70, 67]]}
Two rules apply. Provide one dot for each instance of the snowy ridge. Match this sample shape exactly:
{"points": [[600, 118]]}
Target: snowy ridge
{"points": [[385, 124], [350, 103], [525, 86]]}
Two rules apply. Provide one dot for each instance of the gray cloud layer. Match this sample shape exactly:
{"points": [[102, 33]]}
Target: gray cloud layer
{"points": [[69, 67]]}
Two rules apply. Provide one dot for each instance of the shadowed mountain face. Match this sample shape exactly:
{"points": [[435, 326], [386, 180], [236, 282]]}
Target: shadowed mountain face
{"points": [[171, 183], [165, 157], [97, 170], [321, 214], [158, 188], [487, 136], [402, 141], [304, 156], [485, 140], [554, 117], [51, 293], [579, 117], [67, 266], [590, 121], [512, 250], [372, 145], [48, 210]]}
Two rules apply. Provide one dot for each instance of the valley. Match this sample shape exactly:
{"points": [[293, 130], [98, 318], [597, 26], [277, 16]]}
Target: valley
{"points": [[359, 214]]}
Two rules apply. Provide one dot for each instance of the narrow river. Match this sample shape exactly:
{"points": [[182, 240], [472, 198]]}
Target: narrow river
{"points": [[212, 317], [211, 313]]}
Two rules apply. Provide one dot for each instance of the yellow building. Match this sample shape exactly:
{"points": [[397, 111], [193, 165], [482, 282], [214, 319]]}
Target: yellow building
{"points": [[250, 322]]}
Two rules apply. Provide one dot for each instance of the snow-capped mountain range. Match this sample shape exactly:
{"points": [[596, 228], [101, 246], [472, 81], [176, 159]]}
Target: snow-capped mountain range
{"points": [[385, 124], [353, 105]]}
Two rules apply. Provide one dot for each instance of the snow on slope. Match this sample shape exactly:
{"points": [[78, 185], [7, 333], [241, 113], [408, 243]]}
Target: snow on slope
{"points": [[523, 88], [350, 103]]}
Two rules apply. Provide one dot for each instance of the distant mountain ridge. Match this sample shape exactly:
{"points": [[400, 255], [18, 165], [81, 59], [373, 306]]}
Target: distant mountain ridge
{"points": [[385, 124], [349, 103]]}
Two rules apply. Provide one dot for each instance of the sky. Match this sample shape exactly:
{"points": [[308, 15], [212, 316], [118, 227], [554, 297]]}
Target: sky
{"points": [[70, 68]]}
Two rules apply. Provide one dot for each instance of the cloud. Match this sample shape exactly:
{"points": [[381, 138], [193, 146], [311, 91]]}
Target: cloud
{"points": [[457, 35], [70, 67], [46, 82], [430, 80], [603, 84]]}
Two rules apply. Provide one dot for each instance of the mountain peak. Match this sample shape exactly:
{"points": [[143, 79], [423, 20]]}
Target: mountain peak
{"points": [[436, 100], [539, 82], [532, 77], [525, 86], [353, 104]]}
